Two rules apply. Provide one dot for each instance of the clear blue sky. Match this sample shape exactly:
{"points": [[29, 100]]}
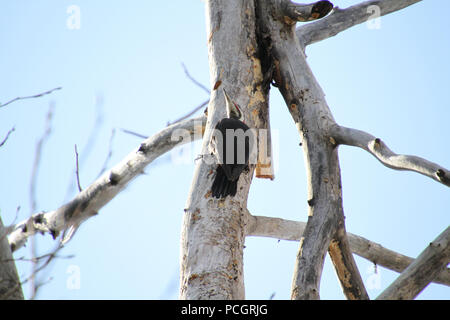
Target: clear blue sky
{"points": [[392, 82]]}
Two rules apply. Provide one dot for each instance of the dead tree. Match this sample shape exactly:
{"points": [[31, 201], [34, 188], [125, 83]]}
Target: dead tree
{"points": [[253, 45]]}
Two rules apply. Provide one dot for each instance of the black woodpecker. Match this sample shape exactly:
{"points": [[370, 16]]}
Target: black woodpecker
{"points": [[230, 144]]}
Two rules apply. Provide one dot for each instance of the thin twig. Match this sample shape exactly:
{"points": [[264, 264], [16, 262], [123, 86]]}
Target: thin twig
{"points": [[23, 259], [92, 138], [77, 169], [204, 103], [50, 256], [193, 80], [34, 174], [7, 136], [108, 157], [30, 97], [139, 135]]}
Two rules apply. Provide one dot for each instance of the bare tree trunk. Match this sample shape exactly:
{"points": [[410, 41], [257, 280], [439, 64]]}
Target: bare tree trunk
{"points": [[213, 230], [10, 286]]}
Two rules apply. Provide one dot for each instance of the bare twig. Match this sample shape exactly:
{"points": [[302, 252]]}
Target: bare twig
{"points": [[260, 226], [379, 150], [35, 260], [108, 157], [77, 169], [139, 135], [7, 136], [38, 154], [33, 183], [193, 79], [204, 103], [92, 138], [200, 106], [30, 97]]}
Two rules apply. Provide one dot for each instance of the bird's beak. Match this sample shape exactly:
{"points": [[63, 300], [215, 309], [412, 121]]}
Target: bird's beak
{"points": [[232, 109], [227, 98]]}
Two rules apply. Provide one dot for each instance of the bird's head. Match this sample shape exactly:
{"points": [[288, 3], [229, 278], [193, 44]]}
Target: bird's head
{"points": [[233, 110]]}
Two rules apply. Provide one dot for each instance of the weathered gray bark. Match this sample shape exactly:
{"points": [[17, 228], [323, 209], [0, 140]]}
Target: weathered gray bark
{"points": [[306, 102], [422, 271], [213, 230], [376, 147], [10, 287]]}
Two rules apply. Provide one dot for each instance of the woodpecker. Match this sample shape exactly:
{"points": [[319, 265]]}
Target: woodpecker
{"points": [[230, 144]]}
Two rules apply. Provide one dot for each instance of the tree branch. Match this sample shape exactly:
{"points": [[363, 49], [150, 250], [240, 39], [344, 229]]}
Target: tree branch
{"points": [[77, 170], [197, 83], [379, 150], [30, 97], [422, 271], [261, 226], [7, 136], [190, 113], [89, 201], [343, 19], [91, 140]]}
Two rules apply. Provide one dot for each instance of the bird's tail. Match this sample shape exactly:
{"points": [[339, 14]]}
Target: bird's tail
{"points": [[223, 187]]}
